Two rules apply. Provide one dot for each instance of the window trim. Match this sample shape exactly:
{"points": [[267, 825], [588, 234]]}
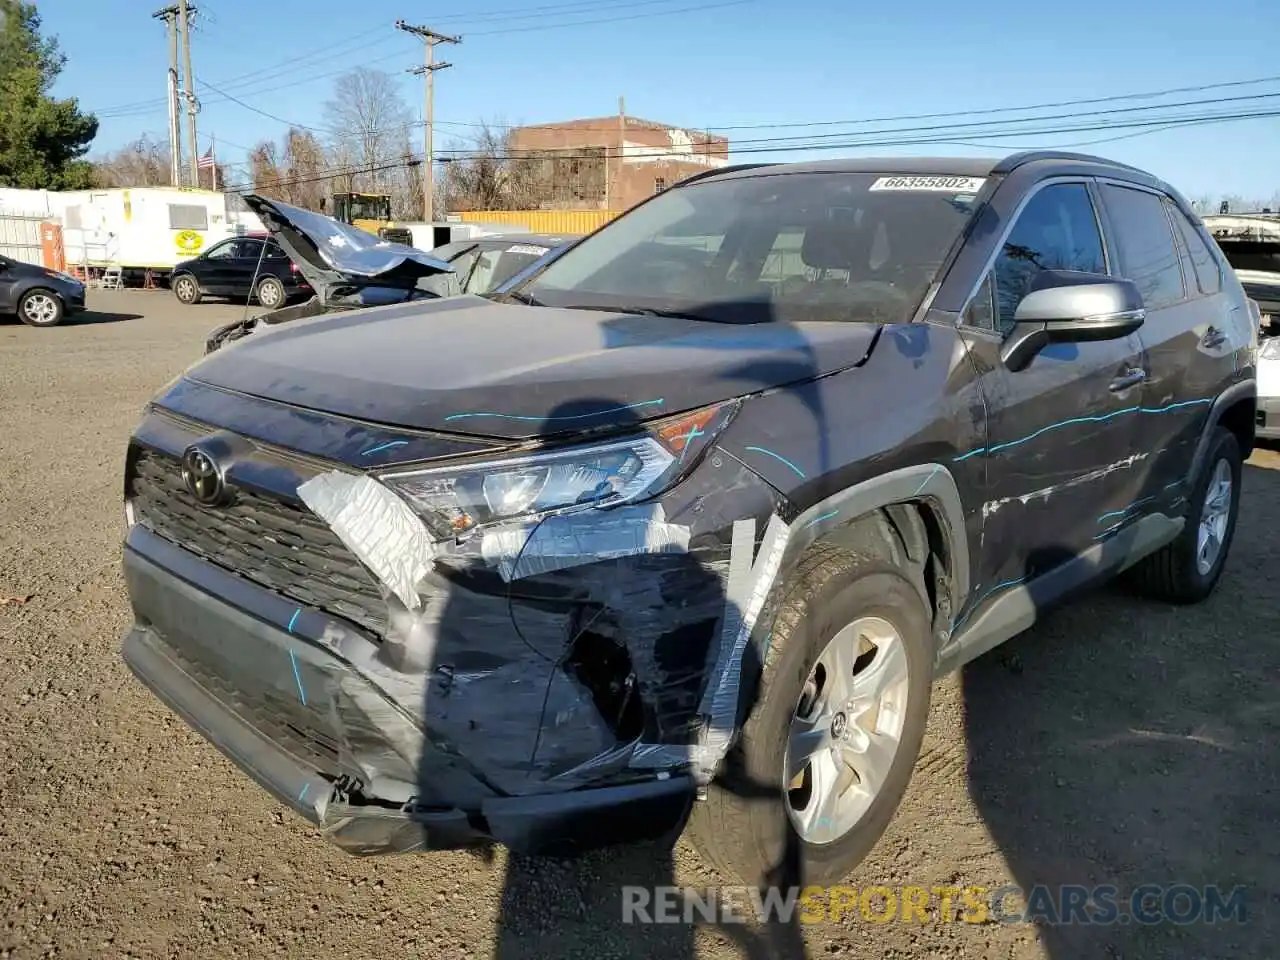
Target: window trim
{"points": [[1209, 244], [1163, 198], [989, 265]]}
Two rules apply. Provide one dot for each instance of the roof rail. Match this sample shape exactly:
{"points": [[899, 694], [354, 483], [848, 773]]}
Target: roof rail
{"points": [[732, 168], [1015, 160]]}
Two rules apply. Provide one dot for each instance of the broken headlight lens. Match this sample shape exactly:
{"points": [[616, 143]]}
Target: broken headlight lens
{"points": [[454, 500]]}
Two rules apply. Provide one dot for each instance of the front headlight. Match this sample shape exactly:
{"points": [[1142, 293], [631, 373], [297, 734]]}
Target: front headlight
{"points": [[1270, 349], [455, 500]]}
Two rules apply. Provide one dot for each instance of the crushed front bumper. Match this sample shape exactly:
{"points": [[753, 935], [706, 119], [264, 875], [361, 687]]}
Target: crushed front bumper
{"points": [[293, 715]]}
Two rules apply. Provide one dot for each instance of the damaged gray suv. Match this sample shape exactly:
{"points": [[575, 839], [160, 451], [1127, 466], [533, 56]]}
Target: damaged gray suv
{"points": [[677, 530]]}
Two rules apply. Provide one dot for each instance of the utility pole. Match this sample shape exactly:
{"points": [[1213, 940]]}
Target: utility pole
{"points": [[622, 144], [189, 86], [170, 17], [428, 69]]}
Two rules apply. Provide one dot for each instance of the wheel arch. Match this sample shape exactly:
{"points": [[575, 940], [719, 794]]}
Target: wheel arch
{"points": [[1236, 409], [923, 506]]}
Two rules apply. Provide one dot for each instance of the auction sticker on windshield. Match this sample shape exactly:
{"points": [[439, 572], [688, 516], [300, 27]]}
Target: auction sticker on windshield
{"points": [[937, 184]]}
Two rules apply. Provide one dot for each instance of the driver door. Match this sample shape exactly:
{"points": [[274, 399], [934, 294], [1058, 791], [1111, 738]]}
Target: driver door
{"points": [[1062, 461]]}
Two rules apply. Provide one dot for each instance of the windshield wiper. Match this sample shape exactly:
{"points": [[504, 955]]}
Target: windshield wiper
{"points": [[524, 298]]}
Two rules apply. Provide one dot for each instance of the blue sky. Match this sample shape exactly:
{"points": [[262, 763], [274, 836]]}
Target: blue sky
{"points": [[716, 64]]}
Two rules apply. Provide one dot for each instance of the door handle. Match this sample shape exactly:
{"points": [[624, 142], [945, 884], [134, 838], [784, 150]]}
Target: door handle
{"points": [[1213, 337], [1130, 378]]}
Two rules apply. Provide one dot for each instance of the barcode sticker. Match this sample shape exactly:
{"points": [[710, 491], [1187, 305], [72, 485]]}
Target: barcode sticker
{"points": [[931, 184]]}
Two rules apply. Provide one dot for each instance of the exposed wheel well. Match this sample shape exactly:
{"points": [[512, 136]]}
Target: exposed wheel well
{"points": [[911, 532]]}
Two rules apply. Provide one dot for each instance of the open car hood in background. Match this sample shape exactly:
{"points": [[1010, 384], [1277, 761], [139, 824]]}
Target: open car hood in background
{"points": [[337, 258]]}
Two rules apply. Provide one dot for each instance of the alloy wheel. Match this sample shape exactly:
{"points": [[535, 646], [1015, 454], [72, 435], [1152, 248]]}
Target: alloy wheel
{"points": [[846, 730]]}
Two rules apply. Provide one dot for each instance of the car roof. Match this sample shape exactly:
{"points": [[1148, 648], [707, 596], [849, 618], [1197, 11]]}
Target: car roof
{"points": [[925, 166]]}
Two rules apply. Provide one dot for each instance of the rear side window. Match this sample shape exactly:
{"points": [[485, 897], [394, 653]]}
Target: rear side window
{"points": [[274, 252], [1145, 245], [1057, 230], [1203, 262]]}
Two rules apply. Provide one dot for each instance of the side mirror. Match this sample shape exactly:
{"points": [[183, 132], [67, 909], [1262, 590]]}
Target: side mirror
{"points": [[1068, 307]]}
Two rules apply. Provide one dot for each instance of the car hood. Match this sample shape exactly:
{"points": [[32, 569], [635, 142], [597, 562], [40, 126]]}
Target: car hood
{"points": [[336, 258], [470, 365]]}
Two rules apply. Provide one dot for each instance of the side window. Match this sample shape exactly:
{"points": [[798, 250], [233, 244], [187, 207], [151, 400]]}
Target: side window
{"points": [[1144, 243], [1203, 262], [248, 249], [982, 311], [222, 251], [1057, 230], [275, 253]]}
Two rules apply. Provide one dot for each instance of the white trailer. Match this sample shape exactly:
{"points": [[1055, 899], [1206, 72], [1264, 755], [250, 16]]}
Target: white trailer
{"points": [[140, 228]]}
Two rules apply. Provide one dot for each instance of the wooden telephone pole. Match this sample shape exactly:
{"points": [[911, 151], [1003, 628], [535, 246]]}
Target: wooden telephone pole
{"points": [[428, 69]]}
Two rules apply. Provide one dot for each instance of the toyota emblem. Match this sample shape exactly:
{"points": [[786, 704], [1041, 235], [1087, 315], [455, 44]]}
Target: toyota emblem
{"points": [[201, 475]]}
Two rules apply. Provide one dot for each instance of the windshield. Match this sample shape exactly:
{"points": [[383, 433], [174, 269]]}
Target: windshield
{"points": [[370, 208], [495, 267], [790, 247]]}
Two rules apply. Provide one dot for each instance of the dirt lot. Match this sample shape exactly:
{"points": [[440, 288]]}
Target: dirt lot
{"points": [[1119, 742]]}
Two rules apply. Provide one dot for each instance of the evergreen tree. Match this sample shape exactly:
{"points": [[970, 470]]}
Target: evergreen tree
{"points": [[42, 139]]}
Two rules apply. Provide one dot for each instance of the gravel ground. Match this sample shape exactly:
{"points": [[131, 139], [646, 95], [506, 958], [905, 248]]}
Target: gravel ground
{"points": [[1119, 742]]}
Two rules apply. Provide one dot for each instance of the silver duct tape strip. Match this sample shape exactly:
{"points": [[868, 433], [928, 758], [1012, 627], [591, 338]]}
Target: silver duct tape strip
{"points": [[377, 526], [571, 540], [749, 582]]}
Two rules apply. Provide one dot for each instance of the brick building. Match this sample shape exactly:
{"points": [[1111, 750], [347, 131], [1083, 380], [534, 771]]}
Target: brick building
{"points": [[610, 163]]}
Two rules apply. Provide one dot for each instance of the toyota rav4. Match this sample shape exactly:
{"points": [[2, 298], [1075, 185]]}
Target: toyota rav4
{"points": [[679, 529]]}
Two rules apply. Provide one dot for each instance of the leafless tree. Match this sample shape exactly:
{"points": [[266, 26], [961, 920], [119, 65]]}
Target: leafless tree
{"points": [[142, 163], [369, 118], [483, 173]]}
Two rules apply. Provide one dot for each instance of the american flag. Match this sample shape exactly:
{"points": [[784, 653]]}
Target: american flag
{"points": [[207, 160]]}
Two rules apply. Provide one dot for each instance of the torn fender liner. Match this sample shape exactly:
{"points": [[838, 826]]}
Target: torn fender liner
{"points": [[377, 526], [570, 540]]}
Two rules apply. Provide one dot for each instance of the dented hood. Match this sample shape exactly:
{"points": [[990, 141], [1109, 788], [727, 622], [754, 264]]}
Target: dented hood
{"points": [[470, 365], [338, 257]]}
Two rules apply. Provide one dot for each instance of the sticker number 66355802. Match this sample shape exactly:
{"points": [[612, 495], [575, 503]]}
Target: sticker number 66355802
{"points": [[941, 184]]}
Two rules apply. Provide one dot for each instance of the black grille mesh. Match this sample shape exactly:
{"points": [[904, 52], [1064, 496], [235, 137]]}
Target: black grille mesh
{"points": [[275, 544]]}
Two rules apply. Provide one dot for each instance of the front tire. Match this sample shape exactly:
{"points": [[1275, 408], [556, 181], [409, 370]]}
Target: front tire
{"points": [[1187, 570], [826, 755], [271, 293], [41, 308], [186, 289]]}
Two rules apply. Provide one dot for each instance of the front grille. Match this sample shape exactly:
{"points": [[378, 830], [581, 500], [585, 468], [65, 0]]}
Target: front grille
{"points": [[275, 544]]}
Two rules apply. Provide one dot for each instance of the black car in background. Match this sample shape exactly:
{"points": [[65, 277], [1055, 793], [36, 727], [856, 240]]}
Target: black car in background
{"points": [[38, 296], [483, 264], [237, 267]]}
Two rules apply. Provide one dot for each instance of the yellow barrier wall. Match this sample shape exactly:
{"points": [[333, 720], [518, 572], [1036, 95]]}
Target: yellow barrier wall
{"points": [[543, 221]]}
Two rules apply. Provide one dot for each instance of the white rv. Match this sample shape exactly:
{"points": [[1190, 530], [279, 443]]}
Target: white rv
{"points": [[139, 228]]}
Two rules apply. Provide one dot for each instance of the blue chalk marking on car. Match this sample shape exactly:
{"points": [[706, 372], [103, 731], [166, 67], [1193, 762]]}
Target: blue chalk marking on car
{"points": [[819, 519], [1102, 418], [926, 480], [1126, 510], [779, 457], [294, 619], [1003, 585], [385, 446], [576, 416]]}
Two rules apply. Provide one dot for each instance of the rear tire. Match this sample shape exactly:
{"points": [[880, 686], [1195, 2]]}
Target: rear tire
{"points": [[270, 293], [1180, 572], [41, 308], [752, 825], [186, 289]]}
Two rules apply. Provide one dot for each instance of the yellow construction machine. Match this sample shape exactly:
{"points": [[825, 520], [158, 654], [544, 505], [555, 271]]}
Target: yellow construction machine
{"points": [[370, 212]]}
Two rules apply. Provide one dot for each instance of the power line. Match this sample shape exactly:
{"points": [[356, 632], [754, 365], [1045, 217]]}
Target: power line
{"points": [[938, 138]]}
